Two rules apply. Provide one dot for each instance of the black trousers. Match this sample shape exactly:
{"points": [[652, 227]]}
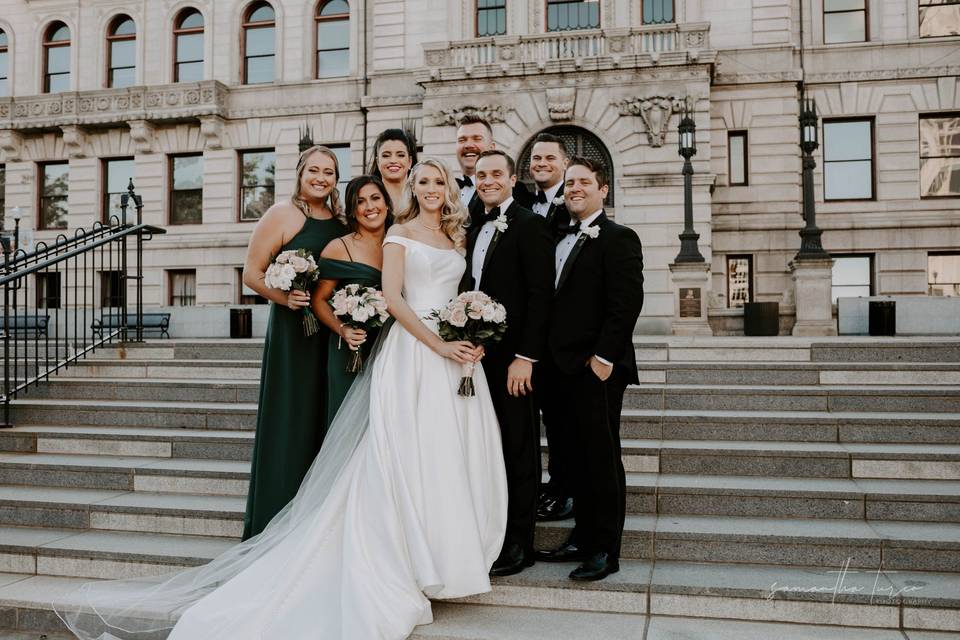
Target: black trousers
{"points": [[583, 414], [519, 432]]}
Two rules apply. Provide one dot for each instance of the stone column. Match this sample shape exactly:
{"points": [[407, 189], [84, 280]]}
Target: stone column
{"points": [[812, 281], [691, 289]]}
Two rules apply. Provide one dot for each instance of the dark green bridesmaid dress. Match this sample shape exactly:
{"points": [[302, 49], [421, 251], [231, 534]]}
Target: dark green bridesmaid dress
{"points": [[338, 380], [291, 415]]}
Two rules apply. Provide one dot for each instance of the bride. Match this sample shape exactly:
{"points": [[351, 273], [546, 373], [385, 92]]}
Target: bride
{"points": [[406, 501]]}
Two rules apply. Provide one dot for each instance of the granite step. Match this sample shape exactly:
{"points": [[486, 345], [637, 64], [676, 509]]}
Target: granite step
{"points": [[147, 389], [800, 373], [167, 369], [901, 546], [739, 601], [163, 414], [213, 349]]}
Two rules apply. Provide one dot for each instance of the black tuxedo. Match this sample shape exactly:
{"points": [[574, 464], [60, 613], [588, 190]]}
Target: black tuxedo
{"points": [[518, 272], [598, 298], [521, 196], [557, 215]]}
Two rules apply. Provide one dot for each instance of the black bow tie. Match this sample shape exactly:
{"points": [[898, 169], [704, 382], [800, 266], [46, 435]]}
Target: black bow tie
{"points": [[464, 182], [573, 228], [491, 215], [541, 197]]}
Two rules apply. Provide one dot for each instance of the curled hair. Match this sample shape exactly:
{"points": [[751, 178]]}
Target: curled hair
{"points": [[352, 195], [599, 169], [333, 200], [386, 136], [453, 217]]}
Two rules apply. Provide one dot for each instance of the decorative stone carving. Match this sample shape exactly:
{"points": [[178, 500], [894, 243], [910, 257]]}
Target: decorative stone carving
{"points": [[560, 103], [142, 134], [11, 143], [75, 140], [211, 128], [655, 112], [452, 117]]}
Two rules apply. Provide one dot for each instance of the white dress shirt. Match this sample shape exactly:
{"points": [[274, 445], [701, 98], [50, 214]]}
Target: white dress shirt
{"points": [[543, 208], [483, 244], [466, 193]]}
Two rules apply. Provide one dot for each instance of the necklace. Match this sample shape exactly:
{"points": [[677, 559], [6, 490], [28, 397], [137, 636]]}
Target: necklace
{"points": [[426, 226]]}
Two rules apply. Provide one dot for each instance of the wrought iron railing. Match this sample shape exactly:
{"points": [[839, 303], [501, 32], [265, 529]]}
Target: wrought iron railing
{"points": [[63, 300]]}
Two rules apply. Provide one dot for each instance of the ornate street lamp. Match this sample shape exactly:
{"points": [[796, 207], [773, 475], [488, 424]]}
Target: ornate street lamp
{"points": [[17, 215], [811, 246], [306, 138], [689, 252]]}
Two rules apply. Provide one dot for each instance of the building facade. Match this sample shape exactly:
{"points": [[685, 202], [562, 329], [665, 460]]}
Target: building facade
{"points": [[203, 103]]}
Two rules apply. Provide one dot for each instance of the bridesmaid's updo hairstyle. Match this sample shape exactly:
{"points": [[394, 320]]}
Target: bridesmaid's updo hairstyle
{"points": [[454, 216], [386, 136], [353, 195], [333, 200]]}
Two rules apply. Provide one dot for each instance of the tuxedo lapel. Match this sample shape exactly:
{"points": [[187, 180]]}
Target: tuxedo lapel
{"points": [[575, 251], [552, 211], [495, 240]]}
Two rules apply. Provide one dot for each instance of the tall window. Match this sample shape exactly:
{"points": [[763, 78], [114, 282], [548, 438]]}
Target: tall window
{"points": [[344, 162], [53, 189], [940, 155], [56, 58], [186, 189], [739, 280], [259, 48], [657, 11], [563, 15], [491, 18], [111, 289], [4, 64], [122, 53], [852, 277], [48, 290], [117, 173], [943, 274], [3, 193], [188, 46], [939, 18], [848, 159], [844, 21], [737, 158], [333, 38], [182, 285], [257, 171]]}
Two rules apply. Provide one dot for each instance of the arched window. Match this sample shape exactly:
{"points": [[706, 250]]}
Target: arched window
{"points": [[122, 52], [579, 142], [259, 47], [333, 38], [4, 64], [188, 46], [56, 58]]}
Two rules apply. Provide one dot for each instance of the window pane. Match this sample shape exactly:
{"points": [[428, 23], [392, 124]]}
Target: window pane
{"points": [[188, 172], [263, 14], [848, 180], [4, 68], [59, 82], [738, 281], [4, 87], [123, 53], [846, 140], [256, 201], [844, 27], [939, 177], [186, 207], [190, 47], [3, 38], [190, 72], [335, 7], [183, 288], [943, 275], [62, 34], [53, 213], [260, 41], [854, 270], [192, 20], [58, 60], [333, 34], [118, 176], [112, 208], [260, 70], [343, 163], [56, 179], [941, 20], [331, 64], [842, 5], [258, 168], [657, 11], [738, 159], [120, 78], [125, 28], [939, 137]]}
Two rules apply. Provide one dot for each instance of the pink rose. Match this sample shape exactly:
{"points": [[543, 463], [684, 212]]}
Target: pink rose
{"points": [[458, 317]]}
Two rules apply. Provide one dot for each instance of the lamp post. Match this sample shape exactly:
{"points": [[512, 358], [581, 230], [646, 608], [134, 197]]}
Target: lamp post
{"points": [[17, 215], [689, 252], [811, 246], [306, 138]]}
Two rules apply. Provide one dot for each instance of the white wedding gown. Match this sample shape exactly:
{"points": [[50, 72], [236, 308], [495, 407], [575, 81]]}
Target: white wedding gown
{"points": [[418, 510]]}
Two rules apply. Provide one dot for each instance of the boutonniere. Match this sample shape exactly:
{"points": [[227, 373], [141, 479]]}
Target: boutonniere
{"points": [[591, 232], [558, 201], [501, 223]]}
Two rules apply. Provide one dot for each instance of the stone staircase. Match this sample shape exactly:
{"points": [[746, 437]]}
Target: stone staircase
{"points": [[780, 488]]}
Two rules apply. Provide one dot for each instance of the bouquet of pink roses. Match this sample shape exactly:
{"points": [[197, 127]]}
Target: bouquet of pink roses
{"points": [[361, 308], [295, 269], [475, 317]]}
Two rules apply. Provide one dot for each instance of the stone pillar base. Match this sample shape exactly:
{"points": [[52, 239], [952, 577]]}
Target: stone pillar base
{"points": [[691, 286], [812, 281]]}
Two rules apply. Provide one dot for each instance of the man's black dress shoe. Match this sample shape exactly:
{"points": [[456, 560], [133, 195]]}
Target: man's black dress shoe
{"points": [[567, 552], [596, 567], [513, 559], [555, 509]]}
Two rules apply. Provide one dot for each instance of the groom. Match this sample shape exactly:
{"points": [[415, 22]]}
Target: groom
{"points": [[510, 258], [589, 363]]}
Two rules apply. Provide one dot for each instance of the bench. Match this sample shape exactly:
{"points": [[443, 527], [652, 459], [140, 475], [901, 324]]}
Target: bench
{"points": [[25, 324], [159, 322]]}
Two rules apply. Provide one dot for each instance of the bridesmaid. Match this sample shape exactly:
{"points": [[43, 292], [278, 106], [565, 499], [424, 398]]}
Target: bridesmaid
{"points": [[393, 155], [355, 258], [291, 413]]}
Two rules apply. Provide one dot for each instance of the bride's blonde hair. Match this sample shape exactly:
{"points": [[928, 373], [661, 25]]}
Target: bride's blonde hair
{"points": [[453, 217]]}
